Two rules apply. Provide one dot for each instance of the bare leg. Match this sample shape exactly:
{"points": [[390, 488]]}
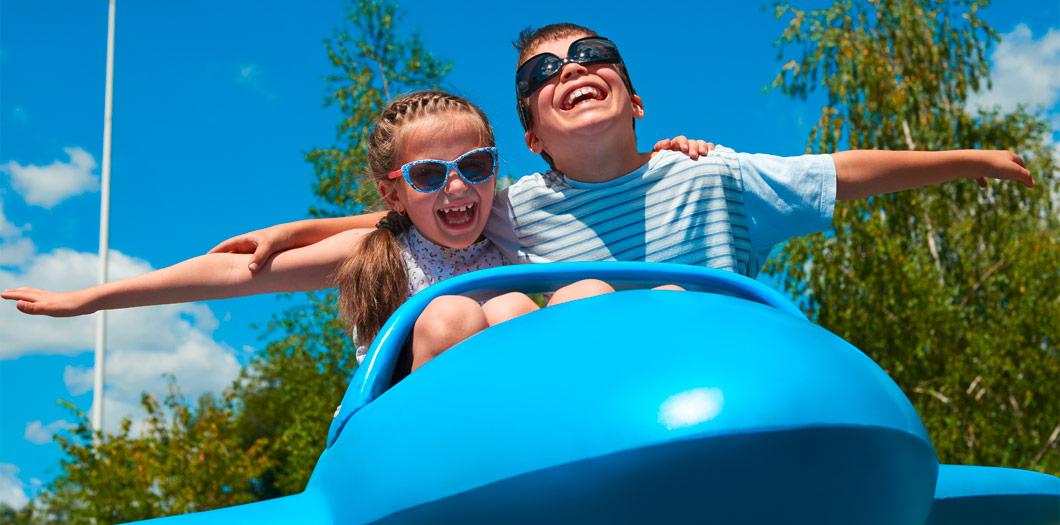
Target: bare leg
{"points": [[446, 321], [580, 290], [507, 306]]}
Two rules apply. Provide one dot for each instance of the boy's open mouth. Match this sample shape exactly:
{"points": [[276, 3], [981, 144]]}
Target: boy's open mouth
{"points": [[582, 95], [458, 216]]}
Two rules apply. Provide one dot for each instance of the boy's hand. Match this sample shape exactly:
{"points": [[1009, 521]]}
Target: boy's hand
{"points": [[692, 148], [1001, 165], [34, 301], [261, 243]]}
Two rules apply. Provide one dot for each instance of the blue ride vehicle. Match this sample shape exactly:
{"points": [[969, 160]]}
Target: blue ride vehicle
{"points": [[722, 404]]}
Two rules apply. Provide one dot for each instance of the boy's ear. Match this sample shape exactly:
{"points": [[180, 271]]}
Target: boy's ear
{"points": [[533, 143], [638, 106], [388, 190]]}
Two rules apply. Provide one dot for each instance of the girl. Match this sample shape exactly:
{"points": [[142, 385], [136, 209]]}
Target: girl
{"points": [[432, 155]]}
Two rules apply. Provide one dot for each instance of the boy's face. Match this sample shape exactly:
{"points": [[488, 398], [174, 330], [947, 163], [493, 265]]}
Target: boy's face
{"points": [[580, 100]]}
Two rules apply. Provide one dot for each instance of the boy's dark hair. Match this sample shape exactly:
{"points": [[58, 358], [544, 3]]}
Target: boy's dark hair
{"points": [[530, 39]]}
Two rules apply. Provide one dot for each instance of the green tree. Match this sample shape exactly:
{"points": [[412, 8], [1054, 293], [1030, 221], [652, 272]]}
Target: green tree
{"points": [[183, 460], [290, 390], [954, 290], [374, 63]]}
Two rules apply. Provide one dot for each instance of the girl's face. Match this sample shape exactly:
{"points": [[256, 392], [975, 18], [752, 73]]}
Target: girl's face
{"points": [[455, 215]]}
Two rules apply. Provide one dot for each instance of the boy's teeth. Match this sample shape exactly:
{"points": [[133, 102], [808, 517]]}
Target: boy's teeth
{"points": [[581, 92]]}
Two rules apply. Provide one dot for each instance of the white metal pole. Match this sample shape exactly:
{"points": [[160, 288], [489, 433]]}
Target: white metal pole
{"points": [[104, 228]]}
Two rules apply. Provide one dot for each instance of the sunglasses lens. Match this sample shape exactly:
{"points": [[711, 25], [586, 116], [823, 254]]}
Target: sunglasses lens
{"points": [[590, 51], [536, 72], [477, 167], [428, 176]]}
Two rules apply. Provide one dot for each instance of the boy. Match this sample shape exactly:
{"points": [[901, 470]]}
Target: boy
{"points": [[604, 200]]}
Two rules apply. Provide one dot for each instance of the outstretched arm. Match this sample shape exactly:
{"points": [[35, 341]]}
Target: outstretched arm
{"points": [[267, 241], [211, 276], [866, 173]]}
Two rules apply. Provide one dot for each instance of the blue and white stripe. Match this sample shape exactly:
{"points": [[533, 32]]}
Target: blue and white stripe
{"points": [[671, 210]]}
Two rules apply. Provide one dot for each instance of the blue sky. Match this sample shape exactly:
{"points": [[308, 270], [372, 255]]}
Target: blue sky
{"points": [[215, 104]]}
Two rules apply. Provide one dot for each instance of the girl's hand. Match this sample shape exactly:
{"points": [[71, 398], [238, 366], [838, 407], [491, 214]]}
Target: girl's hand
{"points": [[34, 301], [261, 243], [692, 148]]}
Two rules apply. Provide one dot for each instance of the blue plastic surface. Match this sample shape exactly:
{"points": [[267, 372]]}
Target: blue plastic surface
{"points": [[986, 495], [723, 405]]}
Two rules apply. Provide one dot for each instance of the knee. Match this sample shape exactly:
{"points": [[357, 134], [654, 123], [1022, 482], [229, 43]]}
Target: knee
{"points": [[446, 321], [508, 306], [580, 290], [669, 287]]}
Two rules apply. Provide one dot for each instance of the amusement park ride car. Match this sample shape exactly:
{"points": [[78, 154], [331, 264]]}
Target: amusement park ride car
{"points": [[722, 404]]}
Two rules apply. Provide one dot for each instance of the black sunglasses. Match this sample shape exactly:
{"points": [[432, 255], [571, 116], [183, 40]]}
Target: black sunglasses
{"points": [[535, 72]]}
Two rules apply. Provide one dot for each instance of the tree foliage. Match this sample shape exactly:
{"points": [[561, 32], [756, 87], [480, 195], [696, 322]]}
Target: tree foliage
{"points": [[954, 290], [374, 64], [289, 391], [182, 460]]}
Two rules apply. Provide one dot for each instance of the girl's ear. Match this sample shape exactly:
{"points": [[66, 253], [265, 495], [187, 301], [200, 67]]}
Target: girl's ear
{"points": [[638, 106], [388, 190]]}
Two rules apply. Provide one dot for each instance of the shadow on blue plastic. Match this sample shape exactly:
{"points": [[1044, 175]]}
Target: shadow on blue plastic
{"points": [[373, 377]]}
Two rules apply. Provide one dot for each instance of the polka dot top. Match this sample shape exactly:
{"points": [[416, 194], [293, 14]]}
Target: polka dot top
{"points": [[429, 263]]}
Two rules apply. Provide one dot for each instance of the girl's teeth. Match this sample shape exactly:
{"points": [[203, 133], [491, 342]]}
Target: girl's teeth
{"points": [[459, 215]]}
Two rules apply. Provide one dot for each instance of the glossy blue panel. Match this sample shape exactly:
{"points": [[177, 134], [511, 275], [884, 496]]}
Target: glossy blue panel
{"points": [[638, 370], [984, 495]]}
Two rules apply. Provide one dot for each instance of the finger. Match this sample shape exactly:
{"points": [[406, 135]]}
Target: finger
{"points": [[704, 147], [18, 294], [225, 246], [241, 244], [682, 142], [662, 145], [1018, 160], [710, 146], [261, 254], [28, 307], [1026, 178]]}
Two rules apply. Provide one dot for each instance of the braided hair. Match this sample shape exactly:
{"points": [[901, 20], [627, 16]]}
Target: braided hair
{"points": [[373, 281]]}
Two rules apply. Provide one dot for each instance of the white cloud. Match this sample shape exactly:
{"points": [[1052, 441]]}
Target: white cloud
{"points": [[19, 115], [38, 433], [1023, 71], [250, 75], [12, 489], [15, 249], [142, 343], [48, 185]]}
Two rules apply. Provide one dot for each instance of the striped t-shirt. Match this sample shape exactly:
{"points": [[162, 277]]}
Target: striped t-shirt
{"points": [[726, 210]]}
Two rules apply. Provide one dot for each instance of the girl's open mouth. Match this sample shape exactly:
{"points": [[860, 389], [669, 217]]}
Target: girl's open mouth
{"points": [[459, 216]]}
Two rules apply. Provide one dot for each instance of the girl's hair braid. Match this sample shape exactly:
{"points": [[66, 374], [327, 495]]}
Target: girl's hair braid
{"points": [[373, 282]]}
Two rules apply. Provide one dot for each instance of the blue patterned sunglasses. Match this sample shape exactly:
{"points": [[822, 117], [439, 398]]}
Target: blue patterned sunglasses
{"points": [[430, 175]]}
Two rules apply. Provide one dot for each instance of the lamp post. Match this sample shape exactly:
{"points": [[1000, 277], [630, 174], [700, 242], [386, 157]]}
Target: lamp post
{"points": [[104, 228]]}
